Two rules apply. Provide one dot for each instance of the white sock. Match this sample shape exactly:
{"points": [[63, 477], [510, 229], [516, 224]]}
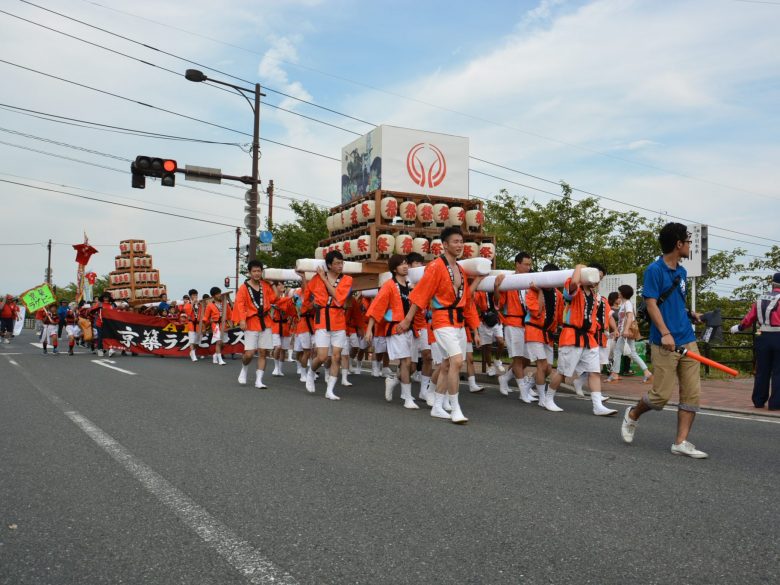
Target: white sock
{"points": [[425, 382], [540, 392], [344, 378], [472, 381], [260, 376], [519, 382], [244, 369], [332, 383], [578, 382]]}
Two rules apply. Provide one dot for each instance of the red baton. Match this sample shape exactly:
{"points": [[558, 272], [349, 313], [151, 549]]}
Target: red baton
{"points": [[707, 361]]}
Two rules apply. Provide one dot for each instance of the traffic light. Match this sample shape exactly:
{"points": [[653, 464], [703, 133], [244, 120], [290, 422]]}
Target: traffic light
{"points": [[227, 282], [147, 166]]}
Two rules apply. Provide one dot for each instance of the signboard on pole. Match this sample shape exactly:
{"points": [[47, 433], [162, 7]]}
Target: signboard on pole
{"points": [[611, 282], [404, 160], [696, 263], [38, 297]]}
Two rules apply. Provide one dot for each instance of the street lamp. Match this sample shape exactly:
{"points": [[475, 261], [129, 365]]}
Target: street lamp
{"points": [[198, 76]]}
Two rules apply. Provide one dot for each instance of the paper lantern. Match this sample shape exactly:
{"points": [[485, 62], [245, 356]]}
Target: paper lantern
{"points": [[470, 250], [337, 223], [367, 212], [329, 223], [408, 212], [474, 220], [388, 207], [337, 246], [403, 244], [319, 253], [487, 250], [457, 216], [385, 245], [346, 220], [364, 246], [441, 213], [421, 246], [346, 249], [425, 213], [437, 248]]}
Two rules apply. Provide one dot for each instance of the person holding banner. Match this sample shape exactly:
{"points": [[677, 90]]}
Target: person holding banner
{"points": [[49, 321], [326, 296], [193, 309], [252, 311], [670, 330], [445, 288], [217, 314]]}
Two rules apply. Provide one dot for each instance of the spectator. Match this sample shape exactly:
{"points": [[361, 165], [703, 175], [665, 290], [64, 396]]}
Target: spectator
{"points": [[62, 313], [626, 317]]}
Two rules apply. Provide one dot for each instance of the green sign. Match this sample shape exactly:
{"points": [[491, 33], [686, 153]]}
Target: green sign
{"points": [[38, 297]]}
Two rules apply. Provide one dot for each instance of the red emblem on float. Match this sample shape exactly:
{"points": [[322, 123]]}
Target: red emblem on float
{"points": [[436, 171]]}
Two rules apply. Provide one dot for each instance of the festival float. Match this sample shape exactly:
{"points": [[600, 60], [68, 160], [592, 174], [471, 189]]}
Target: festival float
{"points": [[135, 280]]}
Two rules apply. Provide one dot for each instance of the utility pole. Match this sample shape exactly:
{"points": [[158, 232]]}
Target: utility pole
{"points": [[48, 266], [238, 256], [254, 196], [270, 205]]}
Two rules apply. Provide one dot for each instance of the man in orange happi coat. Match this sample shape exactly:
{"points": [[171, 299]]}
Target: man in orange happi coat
{"points": [[444, 287], [252, 313], [326, 296]]}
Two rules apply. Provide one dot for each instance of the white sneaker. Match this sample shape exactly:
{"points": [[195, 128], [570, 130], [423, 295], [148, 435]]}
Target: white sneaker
{"points": [[410, 404], [499, 367], [242, 377], [628, 428], [221, 362], [100, 353], [259, 384], [475, 388], [689, 450], [491, 371], [525, 395], [331, 396], [345, 382], [110, 352], [437, 411], [390, 384], [430, 399], [193, 356], [376, 370]]}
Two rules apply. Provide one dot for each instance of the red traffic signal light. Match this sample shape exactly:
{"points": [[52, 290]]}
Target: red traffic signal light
{"points": [[147, 166], [227, 282]]}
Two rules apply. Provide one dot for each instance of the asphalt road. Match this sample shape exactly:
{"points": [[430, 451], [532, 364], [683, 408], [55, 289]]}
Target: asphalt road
{"points": [[177, 474]]}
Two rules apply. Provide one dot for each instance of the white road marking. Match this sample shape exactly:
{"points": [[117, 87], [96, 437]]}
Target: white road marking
{"points": [[13, 362], [238, 553], [106, 365], [37, 344]]}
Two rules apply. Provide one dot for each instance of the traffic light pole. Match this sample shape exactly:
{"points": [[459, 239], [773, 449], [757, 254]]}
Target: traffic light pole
{"points": [[238, 256]]}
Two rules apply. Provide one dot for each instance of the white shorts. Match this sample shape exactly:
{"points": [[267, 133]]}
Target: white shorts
{"points": [[489, 335], [258, 340], [469, 347], [357, 342], [515, 341], [324, 338], [436, 354], [400, 346], [573, 360], [536, 350], [194, 337], [604, 353], [216, 335], [48, 331], [279, 341], [422, 340], [451, 340], [380, 344], [302, 341], [73, 331]]}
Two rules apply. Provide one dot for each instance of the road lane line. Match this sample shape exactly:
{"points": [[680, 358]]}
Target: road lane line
{"points": [[107, 365], [13, 362], [238, 553]]}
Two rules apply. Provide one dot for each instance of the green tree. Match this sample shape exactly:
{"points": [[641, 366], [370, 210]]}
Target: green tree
{"points": [[758, 275], [68, 292], [297, 239]]}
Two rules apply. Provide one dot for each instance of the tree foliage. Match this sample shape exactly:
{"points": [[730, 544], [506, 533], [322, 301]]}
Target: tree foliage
{"points": [[759, 274], [567, 232], [297, 239]]}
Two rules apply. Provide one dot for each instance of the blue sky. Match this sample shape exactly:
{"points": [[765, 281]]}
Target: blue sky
{"points": [[671, 105]]}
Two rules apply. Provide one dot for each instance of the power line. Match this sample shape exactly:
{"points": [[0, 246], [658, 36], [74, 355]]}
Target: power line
{"points": [[373, 88], [558, 195], [115, 203]]}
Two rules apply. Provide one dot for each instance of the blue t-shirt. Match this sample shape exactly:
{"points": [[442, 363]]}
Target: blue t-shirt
{"points": [[62, 312], [658, 279]]}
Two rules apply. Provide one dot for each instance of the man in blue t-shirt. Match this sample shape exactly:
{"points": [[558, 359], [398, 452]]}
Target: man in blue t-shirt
{"points": [[670, 328]]}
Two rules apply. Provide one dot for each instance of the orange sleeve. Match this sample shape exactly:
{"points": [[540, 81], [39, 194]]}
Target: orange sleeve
{"points": [[425, 289], [240, 306], [381, 302], [470, 314], [532, 304]]}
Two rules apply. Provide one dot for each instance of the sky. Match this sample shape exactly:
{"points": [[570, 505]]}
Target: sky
{"points": [[669, 105]]}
